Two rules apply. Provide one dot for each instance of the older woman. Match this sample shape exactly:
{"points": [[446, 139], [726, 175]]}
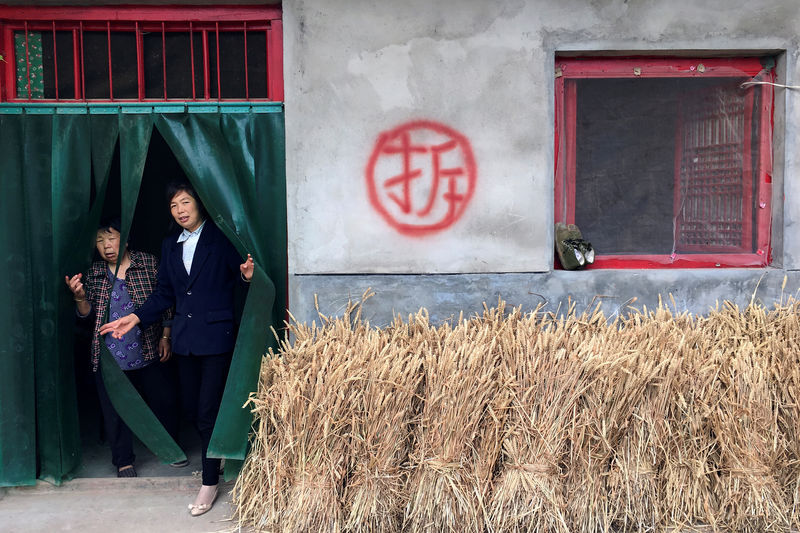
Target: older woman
{"points": [[198, 272], [139, 351]]}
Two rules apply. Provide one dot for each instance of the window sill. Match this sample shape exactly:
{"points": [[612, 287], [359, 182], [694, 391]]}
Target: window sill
{"points": [[678, 261]]}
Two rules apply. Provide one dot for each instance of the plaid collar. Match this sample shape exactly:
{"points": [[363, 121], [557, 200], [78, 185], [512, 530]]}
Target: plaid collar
{"points": [[137, 261]]}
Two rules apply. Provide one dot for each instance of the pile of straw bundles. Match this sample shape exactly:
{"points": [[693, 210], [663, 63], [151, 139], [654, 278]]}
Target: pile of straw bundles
{"points": [[539, 422]]}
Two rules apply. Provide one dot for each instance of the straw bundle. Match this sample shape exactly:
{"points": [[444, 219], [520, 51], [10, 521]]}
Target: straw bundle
{"points": [[386, 407], [657, 421], [619, 376], [745, 421], [635, 490], [690, 469], [315, 443], [545, 385], [785, 346], [260, 488], [457, 440], [309, 405], [263, 484]]}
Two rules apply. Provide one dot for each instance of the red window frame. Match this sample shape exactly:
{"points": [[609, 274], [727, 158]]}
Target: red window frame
{"points": [[202, 22], [569, 70]]}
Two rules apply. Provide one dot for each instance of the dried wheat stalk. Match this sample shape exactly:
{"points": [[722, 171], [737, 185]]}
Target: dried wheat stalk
{"points": [[457, 440], [745, 421], [545, 385], [657, 421], [387, 406]]}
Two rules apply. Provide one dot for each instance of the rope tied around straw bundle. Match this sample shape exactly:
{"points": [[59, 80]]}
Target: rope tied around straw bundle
{"points": [[364, 476], [757, 476], [441, 467], [311, 481], [540, 469], [645, 470], [375, 472]]}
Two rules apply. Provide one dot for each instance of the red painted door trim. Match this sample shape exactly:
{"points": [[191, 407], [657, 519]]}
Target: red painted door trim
{"points": [[138, 19], [158, 14]]}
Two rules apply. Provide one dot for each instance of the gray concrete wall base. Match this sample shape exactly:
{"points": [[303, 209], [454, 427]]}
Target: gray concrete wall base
{"points": [[618, 291]]}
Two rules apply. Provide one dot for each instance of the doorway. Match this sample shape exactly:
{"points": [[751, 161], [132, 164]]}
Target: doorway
{"points": [[151, 224], [236, 162]]}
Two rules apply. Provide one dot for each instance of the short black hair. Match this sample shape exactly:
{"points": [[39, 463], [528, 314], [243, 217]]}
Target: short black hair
{"points": [[174, 187], [113, 222], [109, 223]]}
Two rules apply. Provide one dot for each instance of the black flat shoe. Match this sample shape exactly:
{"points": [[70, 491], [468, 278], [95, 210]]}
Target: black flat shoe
{"points": [[126, 471]]}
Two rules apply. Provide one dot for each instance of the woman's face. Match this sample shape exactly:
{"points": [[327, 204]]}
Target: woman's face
{"points": [[183, 209], [108, 245]]}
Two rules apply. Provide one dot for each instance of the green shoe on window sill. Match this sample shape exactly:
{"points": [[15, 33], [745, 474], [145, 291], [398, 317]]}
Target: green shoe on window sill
{"points": [[573, 251]]}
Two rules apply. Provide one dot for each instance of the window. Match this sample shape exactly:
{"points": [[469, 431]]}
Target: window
{"points": [[665, 162], [140, 54]]}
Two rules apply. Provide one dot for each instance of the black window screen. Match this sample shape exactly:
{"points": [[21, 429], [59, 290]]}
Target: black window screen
{"points": [[62, 48], [665, 165]]}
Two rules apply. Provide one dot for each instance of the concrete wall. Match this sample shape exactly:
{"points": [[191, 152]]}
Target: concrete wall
{"points": [[357, 69]]}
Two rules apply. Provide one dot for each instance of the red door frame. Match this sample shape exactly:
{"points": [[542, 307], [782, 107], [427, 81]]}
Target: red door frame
{"points": [[138, 18], [568, 70]]}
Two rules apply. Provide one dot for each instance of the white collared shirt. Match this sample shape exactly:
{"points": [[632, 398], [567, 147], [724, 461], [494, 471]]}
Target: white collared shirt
{"points": [[189, 240]]}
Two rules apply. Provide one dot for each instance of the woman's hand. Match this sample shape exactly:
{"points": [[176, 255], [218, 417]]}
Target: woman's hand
{"points": [[120, 326], [164, 349], [78, 294], [247, 268], [76, 286], [165, 344]]}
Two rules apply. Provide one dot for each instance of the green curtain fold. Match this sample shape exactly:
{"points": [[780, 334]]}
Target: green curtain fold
{"points": [[45, 175], [236, 163], [104, 137], [135, 131], [37, 157], [218, 153], [17, 382], [49, 146], [70, 190]]}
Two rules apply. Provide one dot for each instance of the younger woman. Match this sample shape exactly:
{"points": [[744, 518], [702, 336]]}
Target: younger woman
{"points": [[198, 272]]}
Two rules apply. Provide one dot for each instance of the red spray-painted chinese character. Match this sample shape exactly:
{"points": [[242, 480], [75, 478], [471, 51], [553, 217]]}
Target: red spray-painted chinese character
{"points": [[421, 176]]}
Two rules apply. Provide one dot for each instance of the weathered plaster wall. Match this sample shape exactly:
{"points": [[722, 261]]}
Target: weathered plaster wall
{"points": [[355, 69]]}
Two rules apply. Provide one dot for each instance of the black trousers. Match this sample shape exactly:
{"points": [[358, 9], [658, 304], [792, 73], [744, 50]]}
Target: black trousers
{"points": [[202, 382], [159, 394]]}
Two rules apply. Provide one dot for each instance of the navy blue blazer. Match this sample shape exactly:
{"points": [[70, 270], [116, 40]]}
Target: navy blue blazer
{"points": [[203, 299]]}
